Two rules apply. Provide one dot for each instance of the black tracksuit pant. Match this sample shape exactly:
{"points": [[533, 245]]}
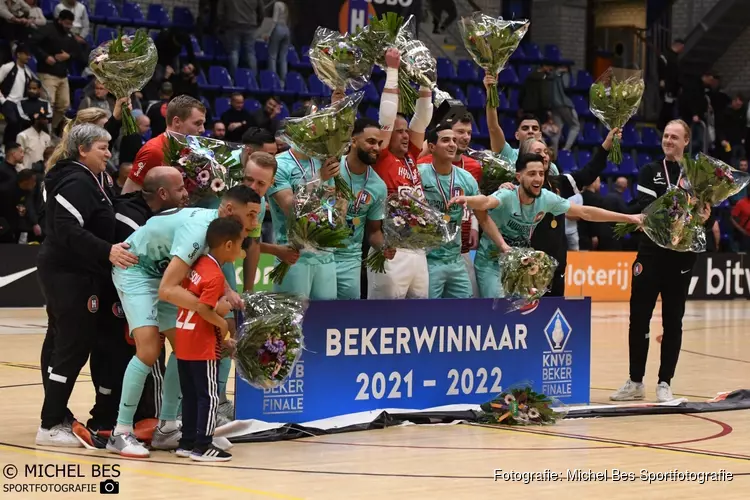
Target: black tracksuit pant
{"points": [[200, 402], [666, 272]]}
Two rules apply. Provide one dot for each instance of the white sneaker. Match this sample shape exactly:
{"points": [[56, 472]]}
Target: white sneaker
{"points": [[127, 446], [631, 391], [664, 393], [60, 435], [169, 440]]}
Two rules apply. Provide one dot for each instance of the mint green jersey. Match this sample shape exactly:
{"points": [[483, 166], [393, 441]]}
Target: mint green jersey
{"points": [[368, 204], [511, 154], [171, 233], [438, 191], [516, 222]]}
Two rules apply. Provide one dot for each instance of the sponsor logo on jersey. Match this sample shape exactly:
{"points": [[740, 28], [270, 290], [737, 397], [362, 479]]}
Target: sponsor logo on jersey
{"points": [[93, 304]]}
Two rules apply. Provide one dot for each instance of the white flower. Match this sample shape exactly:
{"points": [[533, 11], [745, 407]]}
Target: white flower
{"points": [[533, 270], [182, 161], [393, 203], [204, 176], [399, 221], [222, 169], [524, 261], [421, 221], [534, 413], [217, 185], [101, 58], [509, 399]]}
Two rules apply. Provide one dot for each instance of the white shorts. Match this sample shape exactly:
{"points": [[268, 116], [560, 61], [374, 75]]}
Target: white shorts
{"points": [[406, 277]]}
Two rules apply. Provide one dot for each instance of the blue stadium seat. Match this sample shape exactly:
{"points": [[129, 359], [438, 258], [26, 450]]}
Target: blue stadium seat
{"points": [[295, 85], [304, 57], [611, 169], [552, 53], [445, 69], [643, 159], [524, 70], [483, 131], [204, 85], [252, 105], [105, 12], [77, 97], [591, 135], [48, 8], [128, 31], [292, 58], [504, 102], [244, 78], [477, 97], [650, 137], [221, 105], [584, 157], [508, 124], [269, 82], [209, 44], [371, 93], [182, 17], [219, 75], [532, 52], [261, 51], [627, 196], [565, 160], [467, 71], [630, 136], [316, 87], [372, 113], [584, 80], [628, 166], [105, 35], [581, 105], [133, 13], [284, 112], [603, 189], [209, 108], [513, 100], [158, 14], [507, 76], [518, 55]]}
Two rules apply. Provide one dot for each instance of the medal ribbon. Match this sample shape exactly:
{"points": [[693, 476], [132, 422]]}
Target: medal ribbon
{"points": [[413, 173], [362, 194], [666, 175], [440, 187], [301, 168], [98, 183]]}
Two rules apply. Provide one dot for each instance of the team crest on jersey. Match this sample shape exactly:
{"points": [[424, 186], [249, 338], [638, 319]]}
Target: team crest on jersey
{"points": [[110, 182], [364, 197], [458, 191], [539, 216], [637, 269], [117, 310], [93, 304]]}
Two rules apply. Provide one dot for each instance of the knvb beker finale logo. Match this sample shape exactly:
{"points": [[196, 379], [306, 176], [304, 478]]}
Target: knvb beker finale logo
{"points": [[558, 331]]}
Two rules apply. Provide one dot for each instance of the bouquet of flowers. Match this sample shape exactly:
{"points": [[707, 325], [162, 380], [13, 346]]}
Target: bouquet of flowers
{"points": [[318, 223], [338, 61], [525, 275], [521, 406], [614, 99], [326, 133], [270, 341], [490, 42], [125, 65], [672, 222], [209, 166], [496, 170], [712, 180], [412, 224]]}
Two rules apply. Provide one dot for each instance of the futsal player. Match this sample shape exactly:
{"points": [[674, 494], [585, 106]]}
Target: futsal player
{"points": [[366, 210], [509, 216], [442, 181], [406, 274], [313, 276], [200, 340], [166, 246], [657, 270]]}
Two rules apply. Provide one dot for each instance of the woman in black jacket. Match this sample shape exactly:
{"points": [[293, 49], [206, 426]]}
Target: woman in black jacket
{"points": [[75, 258]]}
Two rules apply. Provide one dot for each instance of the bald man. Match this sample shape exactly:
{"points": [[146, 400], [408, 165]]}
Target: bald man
{"points": [[163, 189]]}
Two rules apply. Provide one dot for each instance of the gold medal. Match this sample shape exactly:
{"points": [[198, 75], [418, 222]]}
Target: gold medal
{"points": [[447, 218], [355, 221], [553, 224]]}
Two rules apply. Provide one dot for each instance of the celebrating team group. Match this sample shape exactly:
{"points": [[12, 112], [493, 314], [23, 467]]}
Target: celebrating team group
{"points": [[150, 266]]}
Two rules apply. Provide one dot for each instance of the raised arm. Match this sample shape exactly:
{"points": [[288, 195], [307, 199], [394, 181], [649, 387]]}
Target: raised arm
{"points": [[422, 116], [389, 98], [598, 162], [478, 202], [595, 214], [497, 136]]}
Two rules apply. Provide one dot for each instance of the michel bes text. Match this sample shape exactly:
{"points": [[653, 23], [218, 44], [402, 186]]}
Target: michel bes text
{"points": [[408, 340]]}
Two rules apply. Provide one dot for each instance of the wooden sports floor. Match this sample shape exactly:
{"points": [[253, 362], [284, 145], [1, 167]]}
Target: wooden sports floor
{"points": [[433, 462]]}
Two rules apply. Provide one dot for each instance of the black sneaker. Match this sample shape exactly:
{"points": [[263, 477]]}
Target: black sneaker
{"points": [[212, 454]]}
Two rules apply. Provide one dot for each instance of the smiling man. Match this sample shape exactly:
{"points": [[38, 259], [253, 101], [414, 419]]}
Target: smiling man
{"points": [[442, 181]]}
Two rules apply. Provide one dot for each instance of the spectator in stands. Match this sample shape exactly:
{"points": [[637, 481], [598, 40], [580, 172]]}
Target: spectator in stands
{"points": [[219, 130], [10, 193], [268, 116], [55, 46], [34, 140], [122, 176], [35, 14], [185, 115], [534, 96], [16, 23], [81, 27], [240, 19], [131, 144], [186, 81], [278, 43], [563, 110], [14, 81], [97, 96], [169, 44], [28, 220], [737, 197], [237, 119], [669, 82], [730, 133], [157, 111], [33, 104], [438, 8]]}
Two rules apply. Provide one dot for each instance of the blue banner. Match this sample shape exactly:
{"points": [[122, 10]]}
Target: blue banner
{"points": [[415, 354]]}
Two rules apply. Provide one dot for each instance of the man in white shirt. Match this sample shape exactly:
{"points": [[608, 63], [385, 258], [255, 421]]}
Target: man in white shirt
{"points": [[34, 140], [14, 78], [80, 23]]}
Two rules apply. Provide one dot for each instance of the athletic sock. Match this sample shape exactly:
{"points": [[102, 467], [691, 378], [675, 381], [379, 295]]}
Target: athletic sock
{"points": [[172, 393], [225, 366], [132, 389]]}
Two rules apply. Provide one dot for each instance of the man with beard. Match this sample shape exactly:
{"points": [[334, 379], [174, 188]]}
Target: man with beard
{"points": [[508, 216], [366, 209], [442, 181], [469, 228]]}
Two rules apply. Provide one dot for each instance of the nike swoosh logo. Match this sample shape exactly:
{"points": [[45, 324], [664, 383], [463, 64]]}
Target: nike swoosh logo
{"points": [[7, 280], [685, 272]]}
